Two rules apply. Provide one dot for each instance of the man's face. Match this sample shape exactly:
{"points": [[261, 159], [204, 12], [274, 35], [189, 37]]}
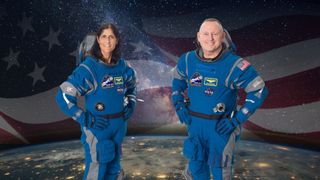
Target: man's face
{"points": [[210, 36]]}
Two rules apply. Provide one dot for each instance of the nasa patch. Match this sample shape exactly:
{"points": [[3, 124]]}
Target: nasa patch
{"points": [[120, 90], [196, 79], [208, 92], [107, 82]]}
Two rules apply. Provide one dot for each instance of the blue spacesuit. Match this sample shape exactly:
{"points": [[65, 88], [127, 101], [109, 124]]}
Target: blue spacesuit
{"points": [[210, 108], [110, 98]]}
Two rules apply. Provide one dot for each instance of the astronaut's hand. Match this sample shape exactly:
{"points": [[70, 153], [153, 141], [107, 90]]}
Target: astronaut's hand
{"points": [[183, 114], [226, 126], [129, 109], [88, 120], [99, 123], [127, 113]]}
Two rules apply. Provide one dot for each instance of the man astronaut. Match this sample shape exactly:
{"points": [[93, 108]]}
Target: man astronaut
{"points": [[213, 74]]}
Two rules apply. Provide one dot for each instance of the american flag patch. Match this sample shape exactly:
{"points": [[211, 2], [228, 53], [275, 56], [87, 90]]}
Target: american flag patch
{"points": [[243, 64]]}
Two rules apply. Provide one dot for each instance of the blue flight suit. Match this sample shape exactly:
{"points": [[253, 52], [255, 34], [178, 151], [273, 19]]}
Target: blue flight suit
{"points": [[210, 108], [110, 98]]}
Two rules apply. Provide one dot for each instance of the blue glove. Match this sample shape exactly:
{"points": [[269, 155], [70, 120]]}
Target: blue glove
{"points": [[88, 120], [226, 126], [183, 114], [129, 109]]}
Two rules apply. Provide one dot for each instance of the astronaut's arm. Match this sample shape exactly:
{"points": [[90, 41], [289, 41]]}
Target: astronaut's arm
{"points": [[131, 86], [179, 85], [254, 99], [79, 83], [130, 94], [67, 100], [254, 86]]}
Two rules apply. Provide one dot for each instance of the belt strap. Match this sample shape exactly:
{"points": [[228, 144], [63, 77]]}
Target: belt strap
{"points": [[113, 116], [206, 116]]}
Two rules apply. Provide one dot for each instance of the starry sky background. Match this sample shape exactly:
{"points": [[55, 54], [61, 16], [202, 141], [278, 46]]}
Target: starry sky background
{"points": [[42, 36], [40, 39]]}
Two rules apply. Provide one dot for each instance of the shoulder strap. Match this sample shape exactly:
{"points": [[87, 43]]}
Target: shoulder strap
{"points": [[125, 66], [186, 62], [231, 71]]}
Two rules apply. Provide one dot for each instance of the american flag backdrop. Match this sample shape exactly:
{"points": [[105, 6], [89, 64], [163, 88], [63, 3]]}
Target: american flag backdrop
{"points": [[39, 49]]}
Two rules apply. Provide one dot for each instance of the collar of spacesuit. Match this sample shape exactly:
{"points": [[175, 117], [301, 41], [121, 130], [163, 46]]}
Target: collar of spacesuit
{"points": [[200, 54], [109, 64]]}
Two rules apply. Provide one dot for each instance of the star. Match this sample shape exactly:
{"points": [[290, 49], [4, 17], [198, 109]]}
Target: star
{"points": [[141, 47], [52, 38], [25, 24], [12, 59], [37, 74]]}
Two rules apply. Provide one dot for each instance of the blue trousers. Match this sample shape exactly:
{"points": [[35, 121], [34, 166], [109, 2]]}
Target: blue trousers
{"points": [[102, 150], [208, 151]]}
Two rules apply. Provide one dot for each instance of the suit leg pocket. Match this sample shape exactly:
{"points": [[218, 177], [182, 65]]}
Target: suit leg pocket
{"points": [[105, 151], [193, 150]]}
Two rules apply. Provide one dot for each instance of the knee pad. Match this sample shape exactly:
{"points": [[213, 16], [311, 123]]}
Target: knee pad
{"points": [[193, 150], [105, 151]]}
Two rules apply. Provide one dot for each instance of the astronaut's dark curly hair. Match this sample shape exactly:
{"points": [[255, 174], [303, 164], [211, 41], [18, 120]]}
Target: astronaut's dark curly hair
{"points": [[96, 51]]}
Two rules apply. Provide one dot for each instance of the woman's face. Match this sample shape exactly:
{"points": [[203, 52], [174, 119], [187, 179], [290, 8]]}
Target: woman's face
{"points": [[107, 41]]}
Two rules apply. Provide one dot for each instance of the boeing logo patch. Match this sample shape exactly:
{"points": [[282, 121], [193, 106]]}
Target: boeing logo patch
{"points": [[210, 81], [118, 80]]}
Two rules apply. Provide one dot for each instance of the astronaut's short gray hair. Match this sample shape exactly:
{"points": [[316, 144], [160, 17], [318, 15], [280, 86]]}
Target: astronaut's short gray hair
{"points": [[212, 20]]}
